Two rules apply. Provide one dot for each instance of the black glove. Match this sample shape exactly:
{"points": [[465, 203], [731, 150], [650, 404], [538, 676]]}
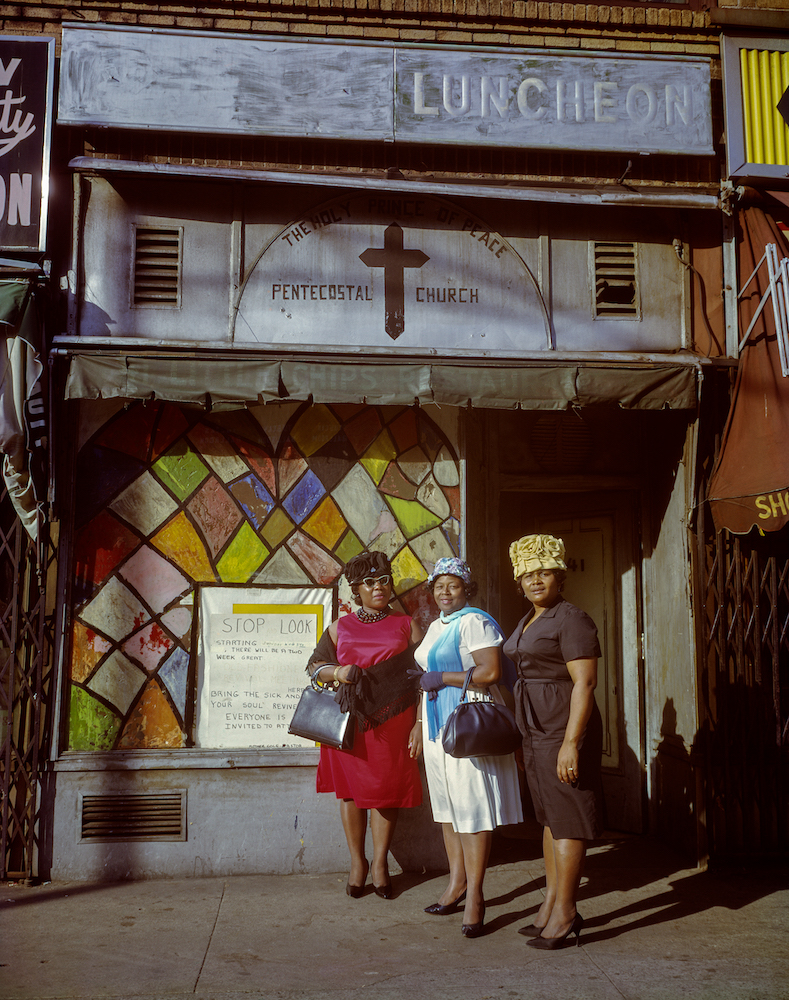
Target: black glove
{"points": [[428, 680]]}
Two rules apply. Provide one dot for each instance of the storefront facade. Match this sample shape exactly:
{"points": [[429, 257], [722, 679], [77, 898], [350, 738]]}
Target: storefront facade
{"points": [[266, 371]]}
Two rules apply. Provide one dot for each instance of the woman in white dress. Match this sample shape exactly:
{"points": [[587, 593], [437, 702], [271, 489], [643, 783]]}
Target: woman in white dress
{"points": [[469, 796]]}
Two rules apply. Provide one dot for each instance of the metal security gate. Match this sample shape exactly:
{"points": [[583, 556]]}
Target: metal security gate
{"points": [[25, 681], [744, 675]]}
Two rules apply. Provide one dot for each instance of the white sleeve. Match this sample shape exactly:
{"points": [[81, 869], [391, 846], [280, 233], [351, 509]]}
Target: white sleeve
{"points": [[477, 632]]}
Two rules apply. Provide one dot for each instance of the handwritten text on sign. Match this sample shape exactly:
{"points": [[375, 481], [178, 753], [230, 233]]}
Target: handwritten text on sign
{"points": [[254, 659]]}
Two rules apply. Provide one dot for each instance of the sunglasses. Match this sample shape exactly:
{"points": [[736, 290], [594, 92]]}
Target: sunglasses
{"points": [[370, 581]]}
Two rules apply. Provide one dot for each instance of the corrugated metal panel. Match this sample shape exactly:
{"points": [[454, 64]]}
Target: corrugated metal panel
{"points": [[765, 78]]}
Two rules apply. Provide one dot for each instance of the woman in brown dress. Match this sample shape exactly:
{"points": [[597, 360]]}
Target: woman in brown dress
{"points": [[555, 650]]}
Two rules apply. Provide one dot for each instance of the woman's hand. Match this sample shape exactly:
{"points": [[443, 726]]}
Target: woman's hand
{"points": [[415, 740], [567, 763]]}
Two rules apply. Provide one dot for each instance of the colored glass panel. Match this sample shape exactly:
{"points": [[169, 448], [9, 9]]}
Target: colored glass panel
{"points": [[432, 496], [326, 524], [378, 456], [145, 504], [403, 430], [152, 725], [87, 649], [148, 646], [215, 513], [291, 466], [349, 547], [92, 726], [346, 411], [363, 430], [101, 475], [131, 431], [242, 557], [156, 579], [431, 546], [445, 468], [254, 498], [283, 570], [179, 541], [314, 428], [237, 423], [395, 484], [451, 529], [117, 681], [414, 464], [360, 502], [277, 528], [412, 517], [174, 674], [429, 438], [260, 461], [217, 451], [181, 470], [115, 611], [332, 462], [407, 570], [179, 622], [303, 499], [171, 424], [100, 546], [452, 493], [323, 569]]}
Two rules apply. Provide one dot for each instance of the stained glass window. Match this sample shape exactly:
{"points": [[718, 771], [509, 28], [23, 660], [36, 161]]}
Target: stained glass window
{"points": [[280, 495]]}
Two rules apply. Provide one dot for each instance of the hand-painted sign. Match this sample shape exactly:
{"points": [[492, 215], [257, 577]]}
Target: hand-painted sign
{"points": [[254, 647], [134, 78], [366, 271], [26, 89]]}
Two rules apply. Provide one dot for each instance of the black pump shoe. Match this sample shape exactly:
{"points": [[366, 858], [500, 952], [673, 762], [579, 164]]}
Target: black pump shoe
{"points": [[549, 944], [474, 930], [384, 891], [530, 931], [444, 909]]}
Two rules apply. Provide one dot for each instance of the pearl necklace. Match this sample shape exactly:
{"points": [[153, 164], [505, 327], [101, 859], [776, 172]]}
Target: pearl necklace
{"points": [[370, 617]]}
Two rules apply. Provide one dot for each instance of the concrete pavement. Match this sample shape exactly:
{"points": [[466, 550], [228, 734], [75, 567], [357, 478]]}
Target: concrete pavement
{"points": [[655, 930]]}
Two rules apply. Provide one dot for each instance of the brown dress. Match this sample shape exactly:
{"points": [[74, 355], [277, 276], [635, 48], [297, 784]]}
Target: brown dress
{"points": [[542, 702]]}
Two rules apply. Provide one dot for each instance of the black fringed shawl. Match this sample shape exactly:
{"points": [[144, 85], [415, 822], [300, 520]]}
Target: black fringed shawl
{"points": [[375, 694]]}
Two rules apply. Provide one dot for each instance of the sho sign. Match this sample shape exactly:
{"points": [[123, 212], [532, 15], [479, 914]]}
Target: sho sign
{"points": [[26, 88], [370, 270]]}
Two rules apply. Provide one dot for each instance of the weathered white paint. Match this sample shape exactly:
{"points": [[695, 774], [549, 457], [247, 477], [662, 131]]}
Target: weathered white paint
{"points": [[195, 81]]}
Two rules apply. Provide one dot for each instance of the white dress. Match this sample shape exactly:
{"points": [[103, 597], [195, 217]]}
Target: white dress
{"points": [[471, 793]]}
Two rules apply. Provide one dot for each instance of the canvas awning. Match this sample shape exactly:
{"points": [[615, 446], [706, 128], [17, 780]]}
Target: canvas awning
{"points": [[230, 382], [22, 420], [750, 482]]}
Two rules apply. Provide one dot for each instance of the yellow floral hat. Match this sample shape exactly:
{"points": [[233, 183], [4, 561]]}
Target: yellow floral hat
{"points": [[534, 552]]}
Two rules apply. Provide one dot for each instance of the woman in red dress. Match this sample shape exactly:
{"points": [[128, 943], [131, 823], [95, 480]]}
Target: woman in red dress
{"points": [[380, 772]]}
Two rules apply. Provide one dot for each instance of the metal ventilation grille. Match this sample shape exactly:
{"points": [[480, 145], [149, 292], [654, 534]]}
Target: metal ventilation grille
{"points": [[615, 281], [134, 816], [157, 267]]}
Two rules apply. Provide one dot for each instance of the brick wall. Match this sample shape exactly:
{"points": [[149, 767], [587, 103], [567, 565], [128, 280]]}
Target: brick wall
{"points": [[671, 30]]}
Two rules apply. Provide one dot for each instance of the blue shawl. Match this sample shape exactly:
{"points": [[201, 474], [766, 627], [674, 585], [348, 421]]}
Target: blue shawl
{"points": [[443, 655]]}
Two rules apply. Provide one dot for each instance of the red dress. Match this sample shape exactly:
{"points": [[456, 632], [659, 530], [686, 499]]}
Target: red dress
{"points": [[378, 773]]}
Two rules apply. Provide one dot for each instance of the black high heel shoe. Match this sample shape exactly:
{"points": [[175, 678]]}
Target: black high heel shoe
{"points": [[531, 930], [549, 944], [473, 930], [384, 891], [354, 891], [444, 909]]}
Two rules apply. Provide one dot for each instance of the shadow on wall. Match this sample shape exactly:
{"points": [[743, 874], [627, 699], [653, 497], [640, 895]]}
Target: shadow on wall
{"points": [[674, 798]]}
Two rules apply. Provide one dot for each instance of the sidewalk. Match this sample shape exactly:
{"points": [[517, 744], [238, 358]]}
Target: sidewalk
{"points": [[654, 931]]}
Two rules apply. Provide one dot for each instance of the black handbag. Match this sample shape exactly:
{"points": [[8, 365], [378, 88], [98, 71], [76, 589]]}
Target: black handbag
{"points": [[319, 718], [480, 728]]}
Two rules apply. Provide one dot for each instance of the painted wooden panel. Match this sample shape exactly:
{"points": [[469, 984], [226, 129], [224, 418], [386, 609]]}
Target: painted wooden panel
{"points": [[198, 82], [553, 100]]}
